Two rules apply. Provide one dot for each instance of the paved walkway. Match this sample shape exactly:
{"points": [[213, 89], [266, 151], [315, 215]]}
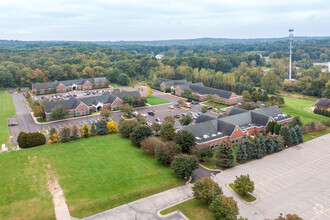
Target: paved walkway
{"points": [[295, 180]]}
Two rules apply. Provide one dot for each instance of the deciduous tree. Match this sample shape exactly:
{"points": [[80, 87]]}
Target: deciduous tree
{"points": [[224, 207], [205, 190], [185, 140], [139, 133], [244, 184], [184, 166]]}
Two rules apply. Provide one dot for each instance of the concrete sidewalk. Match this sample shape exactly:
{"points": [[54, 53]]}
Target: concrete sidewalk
{"points": [[148, 207]]}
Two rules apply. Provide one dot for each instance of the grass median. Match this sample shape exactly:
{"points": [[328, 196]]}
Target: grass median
{"points": [[246, 197], [154, 100]]}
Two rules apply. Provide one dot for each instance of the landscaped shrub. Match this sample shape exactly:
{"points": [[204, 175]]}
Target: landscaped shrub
{"points": [[75, 132], [26, 140], [296, 121], [278, 144], [149, 144], [201, 151], [166, 152], [244, 184], [269, 144], [225, 156], [277, 129], [65, 134], [294, 136], [289, 217], [186, 120], [156, 127], [270, 127], [184, 166], [322, 112], [126, 126], [224, 207], [101, 127], [139, 133], [313, 127], [185, 139], [205, 190], [93, 129], [128, 110]]}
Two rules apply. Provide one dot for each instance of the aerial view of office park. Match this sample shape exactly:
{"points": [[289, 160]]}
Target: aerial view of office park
{"points": [[164, 110]]}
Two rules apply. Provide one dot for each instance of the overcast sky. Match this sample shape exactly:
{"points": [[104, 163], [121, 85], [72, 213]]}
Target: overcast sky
{"points": [[112, 20]]}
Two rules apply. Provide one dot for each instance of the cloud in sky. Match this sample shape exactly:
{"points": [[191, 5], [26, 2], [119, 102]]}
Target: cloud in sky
{"points": [[110, 20]]}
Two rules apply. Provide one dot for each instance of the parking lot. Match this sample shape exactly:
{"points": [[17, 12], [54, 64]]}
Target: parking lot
{"points": [[295, 180]]}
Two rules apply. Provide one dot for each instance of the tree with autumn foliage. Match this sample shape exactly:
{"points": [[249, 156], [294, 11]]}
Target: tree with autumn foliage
{"points": [[53, 136], [150, 92], [112, 127], [38, 111], [84, 131]]}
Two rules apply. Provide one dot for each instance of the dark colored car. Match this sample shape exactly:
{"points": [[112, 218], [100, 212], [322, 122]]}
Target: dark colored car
{"points": [[151, 113], [209, 107], [177, 105], [194, 103], [188, 100], [12, 124], [177, 116]]}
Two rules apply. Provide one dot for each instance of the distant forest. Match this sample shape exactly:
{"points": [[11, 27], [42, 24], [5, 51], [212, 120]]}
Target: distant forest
{"points": [[238, 66]]}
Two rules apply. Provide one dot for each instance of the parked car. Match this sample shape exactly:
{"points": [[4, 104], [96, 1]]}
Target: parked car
{"points": [[93, 92], [149, 124], [151, 113], [171, 106], [176, 116], [189, 100], [184, 114], [12, 124], [158, 120], [177, 105], [74, 95], [194, 103], [144, 115], [209, 107]]}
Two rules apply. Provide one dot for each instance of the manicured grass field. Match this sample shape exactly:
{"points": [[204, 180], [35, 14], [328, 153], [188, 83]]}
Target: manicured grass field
{"points": [[7, 109], [154, 100], [248, 197], [192, 208], [299, 107], [95, 174], [215, 105]]}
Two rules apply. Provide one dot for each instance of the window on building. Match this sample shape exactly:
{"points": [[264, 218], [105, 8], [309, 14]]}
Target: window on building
{"points": [[72, 113], [212, 145], [230, 102], [260, 131], [216, 144], [78, 113], [49, 117], [86, 112], [237, 139], [244, 135], [232, 141]]}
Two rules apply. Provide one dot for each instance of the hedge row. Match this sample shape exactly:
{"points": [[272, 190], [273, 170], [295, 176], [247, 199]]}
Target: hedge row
{"points": [[26, 140]]}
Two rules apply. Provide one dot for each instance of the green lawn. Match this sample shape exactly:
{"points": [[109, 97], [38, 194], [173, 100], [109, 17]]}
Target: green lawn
{"points": [[7, 109], [248, 197], [192, 208], [299, 107], [310, 136], [95, 174], [154, 100]]}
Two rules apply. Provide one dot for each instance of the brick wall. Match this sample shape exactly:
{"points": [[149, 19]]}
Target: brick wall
{"points": [[87, 85]]}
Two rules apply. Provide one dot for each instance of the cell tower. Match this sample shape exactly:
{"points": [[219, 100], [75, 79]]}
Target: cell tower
{"points": [[290, 47]]}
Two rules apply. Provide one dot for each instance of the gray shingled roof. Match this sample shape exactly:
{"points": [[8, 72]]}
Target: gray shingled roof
{"points": [[71, 103], [204, 118], [122, 94], [105, 98], [235, 111], [323, 103], [206, 90], [69, 82]]}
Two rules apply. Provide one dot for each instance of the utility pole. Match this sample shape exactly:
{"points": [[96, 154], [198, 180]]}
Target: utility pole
{"points": [[290, 47]]}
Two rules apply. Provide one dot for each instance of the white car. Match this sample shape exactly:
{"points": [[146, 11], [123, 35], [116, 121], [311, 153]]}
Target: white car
{"points": [[171, 107], [135, 113], [144, 115]]}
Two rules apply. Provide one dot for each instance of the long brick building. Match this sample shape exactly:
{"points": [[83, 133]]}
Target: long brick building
{"points": [[86, 105], [239, 124], [69, 85], [202, 92]]}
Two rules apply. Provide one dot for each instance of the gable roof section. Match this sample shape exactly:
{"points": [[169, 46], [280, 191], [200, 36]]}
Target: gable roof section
{"points": [[122, 94], [70, 82], [71, 103], [206, 90], [203, 118], [235, 111]]}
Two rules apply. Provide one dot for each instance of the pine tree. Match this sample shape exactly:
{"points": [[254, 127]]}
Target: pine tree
{"points": [[225, 156], [294, 136], [101, 127], [241, 154], [299, 134], [249, 150], [285, 133], [278, 145], [262, 147], [256, 148], [270, 145]]}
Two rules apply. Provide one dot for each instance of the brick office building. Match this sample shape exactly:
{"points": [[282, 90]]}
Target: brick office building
{"points": [[86, 105], [238, 125], [70, 85], [201, 91]]}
